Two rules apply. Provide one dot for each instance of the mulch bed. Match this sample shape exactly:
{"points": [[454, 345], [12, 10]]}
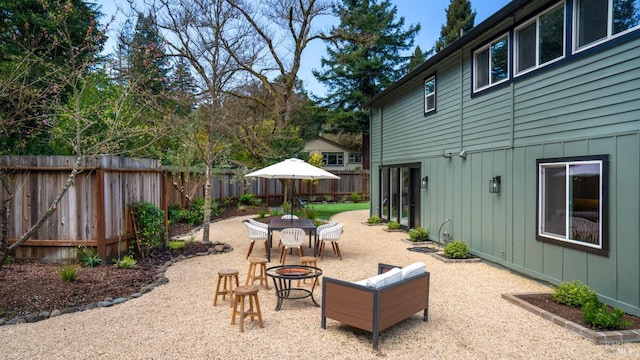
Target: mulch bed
{"points": [[32, 286], [546, 302]]}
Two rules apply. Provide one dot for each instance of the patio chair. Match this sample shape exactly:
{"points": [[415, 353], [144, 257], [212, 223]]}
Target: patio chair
{"points": [[257, 233], [258, 223], [288, 217], [322, 227], [331, 234], [291, 238]]}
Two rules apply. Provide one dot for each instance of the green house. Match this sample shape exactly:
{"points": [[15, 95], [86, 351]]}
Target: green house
{"points": [[522, 139]]}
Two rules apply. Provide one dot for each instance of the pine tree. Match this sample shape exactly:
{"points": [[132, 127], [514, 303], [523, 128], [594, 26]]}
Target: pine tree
{"points": [[460, 19], [364, 57], [418, 58], [183, 87], [147, 60]]}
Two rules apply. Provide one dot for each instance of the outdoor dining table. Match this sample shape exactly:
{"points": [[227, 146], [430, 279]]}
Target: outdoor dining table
{"points": [[277, 224]]}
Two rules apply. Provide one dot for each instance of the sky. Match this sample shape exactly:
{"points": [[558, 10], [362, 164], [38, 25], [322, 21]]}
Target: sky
{"points": [[430, 14]]}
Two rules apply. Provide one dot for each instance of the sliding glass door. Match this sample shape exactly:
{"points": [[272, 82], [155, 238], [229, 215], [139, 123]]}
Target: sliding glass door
{"points": [[400, 194]]}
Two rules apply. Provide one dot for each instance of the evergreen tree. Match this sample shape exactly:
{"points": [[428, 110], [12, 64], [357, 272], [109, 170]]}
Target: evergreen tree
{"points": [[364, 57], [147, 60], [459, 17], [183, 88], [37, 39], [418, 58]]}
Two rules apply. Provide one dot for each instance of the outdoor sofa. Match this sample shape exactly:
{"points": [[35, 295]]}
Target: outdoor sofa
{"points": [[379, 302]]}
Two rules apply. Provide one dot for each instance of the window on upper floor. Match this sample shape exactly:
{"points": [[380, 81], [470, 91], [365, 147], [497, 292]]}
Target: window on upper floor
{"points": [[600, 20], [572, 200], [430, 94], [541, 40], [333, 159], [355, 158], [491, 64]]}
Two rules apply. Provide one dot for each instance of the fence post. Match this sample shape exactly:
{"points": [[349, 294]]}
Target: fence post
{"points": [[100, 218]]}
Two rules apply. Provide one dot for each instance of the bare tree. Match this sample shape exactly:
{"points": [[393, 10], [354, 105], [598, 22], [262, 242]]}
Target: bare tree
{"points": [[91, 117], [203, 32], [282, 30]]}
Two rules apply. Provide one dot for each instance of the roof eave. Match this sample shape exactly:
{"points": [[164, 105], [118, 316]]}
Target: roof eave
{"points": [[472, 34]]}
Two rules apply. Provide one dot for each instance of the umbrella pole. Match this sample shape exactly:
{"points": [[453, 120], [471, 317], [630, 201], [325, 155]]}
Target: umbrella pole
{"points": [[293, 182]]}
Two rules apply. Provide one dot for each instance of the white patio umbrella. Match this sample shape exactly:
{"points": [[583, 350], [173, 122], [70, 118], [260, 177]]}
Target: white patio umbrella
{"points": [[292, 169]]}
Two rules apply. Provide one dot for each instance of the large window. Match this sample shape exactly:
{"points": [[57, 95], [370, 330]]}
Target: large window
{"points": [[333, 158], [599, 20], [572, 202], [541, 40], [491, 64], [430, 95]]}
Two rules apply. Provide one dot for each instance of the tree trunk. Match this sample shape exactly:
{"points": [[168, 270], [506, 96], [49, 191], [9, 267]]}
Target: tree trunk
{"points": [[365, 150], [207, 205]]}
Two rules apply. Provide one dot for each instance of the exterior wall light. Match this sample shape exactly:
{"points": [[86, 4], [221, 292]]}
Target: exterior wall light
{"points": [[494, 185], [425, 181]]}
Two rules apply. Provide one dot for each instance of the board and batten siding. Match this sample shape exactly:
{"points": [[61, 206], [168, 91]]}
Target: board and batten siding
{"points": [[589, 105]]}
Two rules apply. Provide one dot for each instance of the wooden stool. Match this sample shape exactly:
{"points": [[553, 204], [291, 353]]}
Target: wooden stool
{"points": [[309, 261], [252, 276], [226, 277], [241, 293]]}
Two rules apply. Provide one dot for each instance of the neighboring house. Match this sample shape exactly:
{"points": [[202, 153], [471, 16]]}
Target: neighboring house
{"points": [[522, 139], [334, 155]]}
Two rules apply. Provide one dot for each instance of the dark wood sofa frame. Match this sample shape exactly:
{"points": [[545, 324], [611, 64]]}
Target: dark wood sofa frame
{"points": [[374, 310]]}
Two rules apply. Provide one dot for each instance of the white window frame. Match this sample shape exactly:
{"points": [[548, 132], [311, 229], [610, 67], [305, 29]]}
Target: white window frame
{"points": [[475, 63], [339, 158], [430, 95], [607, 37], [536, 20], [353, 157], [566, 239]]}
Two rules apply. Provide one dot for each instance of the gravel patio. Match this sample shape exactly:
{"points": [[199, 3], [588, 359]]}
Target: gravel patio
{"points": [[468, 319]]}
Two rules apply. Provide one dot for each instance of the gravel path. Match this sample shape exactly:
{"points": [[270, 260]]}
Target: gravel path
{"points": [[467, 317]]}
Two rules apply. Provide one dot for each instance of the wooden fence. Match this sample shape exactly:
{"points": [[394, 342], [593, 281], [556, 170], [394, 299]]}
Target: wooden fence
{"points": [[95, 211], [270, 191]]}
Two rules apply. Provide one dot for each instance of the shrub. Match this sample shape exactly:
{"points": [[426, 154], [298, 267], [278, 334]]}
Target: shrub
{"points": [[418, 234], [275, 212], [374, 220], [246, 199], [393, 225], [175, 214], [176, 244], [309, 213], [597, 315], [328, 198], [89, 256], [286, 207], [262, 214], [127, 262], [356, 197], [573, 293], [150, 226], [456, 250], [312, 198], [68, 272]]}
